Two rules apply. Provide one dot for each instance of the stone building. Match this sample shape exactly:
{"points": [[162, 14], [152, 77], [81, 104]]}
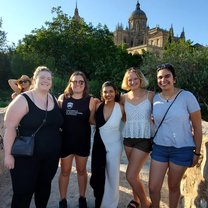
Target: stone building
{"points": [[138, 37]]}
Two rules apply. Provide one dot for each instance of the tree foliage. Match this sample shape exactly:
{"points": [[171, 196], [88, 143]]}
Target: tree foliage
{"points": [[66, 44], [191, 68]]}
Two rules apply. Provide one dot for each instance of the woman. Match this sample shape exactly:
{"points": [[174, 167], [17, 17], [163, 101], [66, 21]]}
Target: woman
{"points": [[20, 85], [78, 110], [107, 148], [33, 175], [137, 131], [177, 143]]}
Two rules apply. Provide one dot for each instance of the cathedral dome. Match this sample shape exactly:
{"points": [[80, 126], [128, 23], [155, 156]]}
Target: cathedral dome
{"points": [[138, 12]]}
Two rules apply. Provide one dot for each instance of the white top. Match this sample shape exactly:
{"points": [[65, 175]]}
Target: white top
{"points": [[111, 136], [176, 129], [138, 123]]}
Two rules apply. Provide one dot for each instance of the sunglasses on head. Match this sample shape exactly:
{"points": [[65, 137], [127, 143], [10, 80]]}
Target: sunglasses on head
{"points": [[164, 66], [23, 81]]}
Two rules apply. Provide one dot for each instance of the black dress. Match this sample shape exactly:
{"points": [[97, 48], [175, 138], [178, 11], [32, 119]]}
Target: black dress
{"points": [[98, 163], [76, 127]]}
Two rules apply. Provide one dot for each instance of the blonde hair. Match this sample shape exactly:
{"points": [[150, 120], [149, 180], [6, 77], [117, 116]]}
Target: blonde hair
{"points": [[36, 73], [69, 91], [140, 75], [40, 69]]}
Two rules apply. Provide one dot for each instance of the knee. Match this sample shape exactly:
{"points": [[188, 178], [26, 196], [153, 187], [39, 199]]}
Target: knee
{"points": [[174, 187], [154, 189], [131, 178], [81, 172], [64, 174]]}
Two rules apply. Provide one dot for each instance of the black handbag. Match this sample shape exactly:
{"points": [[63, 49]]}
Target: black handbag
{"points": [[23, 146]]}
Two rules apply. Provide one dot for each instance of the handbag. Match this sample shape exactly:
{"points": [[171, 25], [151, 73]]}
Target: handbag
{"points": [[166, 114], [23, 146]]}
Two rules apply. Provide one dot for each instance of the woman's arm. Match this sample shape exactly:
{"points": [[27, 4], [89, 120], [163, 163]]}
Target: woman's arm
{"points": [[195, 118], [92, 107], [14, 113], [13, 85], [60, 100]]}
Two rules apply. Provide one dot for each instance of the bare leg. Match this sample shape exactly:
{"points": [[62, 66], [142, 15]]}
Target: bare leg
{"points": [[66, 165], [81, 163], [136, 161], [128, 151], [175, 175], [156, 178]]}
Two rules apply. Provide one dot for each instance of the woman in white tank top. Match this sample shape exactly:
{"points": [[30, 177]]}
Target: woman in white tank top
{"points": [[137, 131]]}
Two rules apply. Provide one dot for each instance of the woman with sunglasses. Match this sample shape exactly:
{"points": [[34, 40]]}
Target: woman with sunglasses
{"points": [[78, 110], [107, 148], [20, 85], [137, 131], [177, 143]]}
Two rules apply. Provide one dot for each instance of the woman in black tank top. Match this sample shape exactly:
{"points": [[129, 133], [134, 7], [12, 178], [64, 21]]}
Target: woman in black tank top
{"points": [[78, 111], [33, 175]]}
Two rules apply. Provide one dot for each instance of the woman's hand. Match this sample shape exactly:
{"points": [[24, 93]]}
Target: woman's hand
{"points": [[196, 161], [9, 161]]}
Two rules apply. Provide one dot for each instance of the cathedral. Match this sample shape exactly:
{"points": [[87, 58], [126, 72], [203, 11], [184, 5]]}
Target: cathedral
{"points": [[138, 37]]}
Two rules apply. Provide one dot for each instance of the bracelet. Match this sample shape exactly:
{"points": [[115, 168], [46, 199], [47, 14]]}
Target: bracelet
{"points": [[197, 154]]}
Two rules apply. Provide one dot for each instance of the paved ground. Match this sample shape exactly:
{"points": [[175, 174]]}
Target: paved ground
{"points": [[125, 191]]}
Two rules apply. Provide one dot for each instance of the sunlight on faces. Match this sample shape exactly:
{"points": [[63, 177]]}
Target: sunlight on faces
{"points": [[133, 80], [165, 78], [77, 83], [108, 93], [43, 80]]}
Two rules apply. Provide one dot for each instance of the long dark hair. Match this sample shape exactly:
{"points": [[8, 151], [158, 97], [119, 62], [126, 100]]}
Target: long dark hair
{"points": [[110, 84]]}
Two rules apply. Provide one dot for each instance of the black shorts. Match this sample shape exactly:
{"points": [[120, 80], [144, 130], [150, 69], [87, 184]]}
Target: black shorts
{"points": [[144, 145]]}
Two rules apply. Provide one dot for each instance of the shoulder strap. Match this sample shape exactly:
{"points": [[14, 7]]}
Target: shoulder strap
{"points": [[166, 113], [55, 101]]}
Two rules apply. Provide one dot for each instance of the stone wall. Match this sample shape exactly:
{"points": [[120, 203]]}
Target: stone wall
{"points": [[194, 186]]}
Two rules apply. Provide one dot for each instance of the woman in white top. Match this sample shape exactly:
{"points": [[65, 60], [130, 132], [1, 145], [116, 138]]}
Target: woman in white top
{"points": [[137, 131], [107, 148]]}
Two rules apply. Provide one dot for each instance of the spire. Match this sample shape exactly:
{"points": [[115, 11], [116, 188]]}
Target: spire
{"points": [[138, 6], [76, 13], [182, 36]]}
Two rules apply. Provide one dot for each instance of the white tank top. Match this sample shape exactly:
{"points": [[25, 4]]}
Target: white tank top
{"points": [[138, 123]]}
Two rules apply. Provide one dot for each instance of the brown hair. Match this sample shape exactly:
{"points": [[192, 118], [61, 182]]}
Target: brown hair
{"points": [[69, 91], [110, 84]]}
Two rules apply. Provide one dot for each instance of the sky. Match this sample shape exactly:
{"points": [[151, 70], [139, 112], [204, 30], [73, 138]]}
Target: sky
{"points": [[20, 17]]}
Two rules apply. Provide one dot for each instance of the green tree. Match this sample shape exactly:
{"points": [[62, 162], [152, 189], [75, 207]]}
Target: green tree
{"points": [[66, 44]]}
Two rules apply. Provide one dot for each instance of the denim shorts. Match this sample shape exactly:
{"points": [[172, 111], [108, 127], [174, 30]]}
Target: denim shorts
{"points": [[180, 156], [144, 145]]}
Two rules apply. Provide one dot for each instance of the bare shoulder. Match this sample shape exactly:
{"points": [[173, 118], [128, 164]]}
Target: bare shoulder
{"points": [[122, 108], [151, 94], [17, 108], [61, 97], [122, 98]]}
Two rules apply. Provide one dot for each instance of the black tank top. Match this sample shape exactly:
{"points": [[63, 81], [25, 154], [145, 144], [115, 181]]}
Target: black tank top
{"points": [[76, 128], [48, 140]]}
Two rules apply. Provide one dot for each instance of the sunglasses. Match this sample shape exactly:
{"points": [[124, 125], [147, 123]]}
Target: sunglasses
{"points": [[23, 81], [164, 66], [81, 82]]}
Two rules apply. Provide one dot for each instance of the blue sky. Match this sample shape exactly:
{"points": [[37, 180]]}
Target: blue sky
{"points": [[20, 17]]}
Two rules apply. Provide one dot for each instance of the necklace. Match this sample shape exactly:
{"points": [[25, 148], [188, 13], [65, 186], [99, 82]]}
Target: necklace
{"points": [[168, 97]]}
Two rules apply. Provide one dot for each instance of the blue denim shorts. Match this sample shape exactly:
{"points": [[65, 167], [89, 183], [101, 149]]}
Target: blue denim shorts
{"points": [[180, 156]]}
